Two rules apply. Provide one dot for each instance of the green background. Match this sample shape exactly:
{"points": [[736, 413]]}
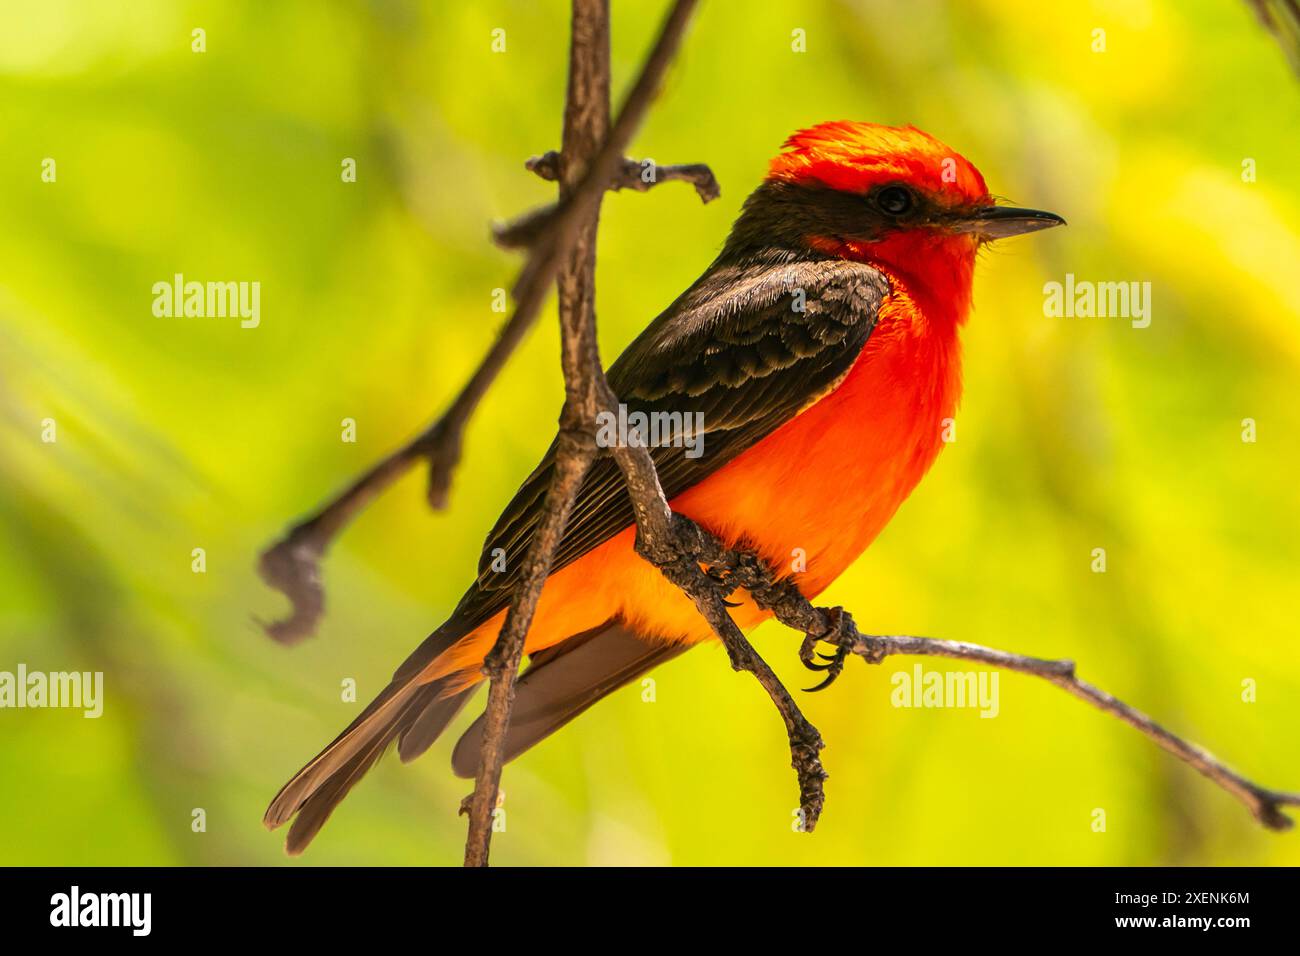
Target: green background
{"points": [[1074, 434]]}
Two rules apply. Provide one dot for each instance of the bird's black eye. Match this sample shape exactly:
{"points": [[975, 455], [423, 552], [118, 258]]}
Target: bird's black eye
{"points": [[894, 200]]}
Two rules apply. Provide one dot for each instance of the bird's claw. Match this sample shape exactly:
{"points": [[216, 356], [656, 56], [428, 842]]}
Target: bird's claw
{"points": [[722, 579], [834, 662], [830, 679]]}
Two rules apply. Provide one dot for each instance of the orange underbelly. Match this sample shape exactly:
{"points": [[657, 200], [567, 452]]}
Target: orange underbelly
{"points": [[809, 498]]}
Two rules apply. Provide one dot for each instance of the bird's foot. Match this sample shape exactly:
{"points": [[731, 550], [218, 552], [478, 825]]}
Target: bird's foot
{"points": [[724, 580], [839, 637]]}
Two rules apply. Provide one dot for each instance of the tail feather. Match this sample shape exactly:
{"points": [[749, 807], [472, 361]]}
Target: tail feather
{"points": [[430, 722], [376, 722], [316, 809], [561, 683], [406, 704]]}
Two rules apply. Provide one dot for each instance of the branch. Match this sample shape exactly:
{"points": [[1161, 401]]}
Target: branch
{"points": [[675, 544], [573, 457], [835, 626], [588, 394], [292, 564], [589, 159], [1264, 804], [642, 175]]}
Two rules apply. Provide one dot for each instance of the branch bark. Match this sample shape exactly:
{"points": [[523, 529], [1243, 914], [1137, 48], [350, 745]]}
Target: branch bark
{"points": [[588, 394], [1264, 804], [530, 229], [642, 175], [592, 152], [674, 544]]}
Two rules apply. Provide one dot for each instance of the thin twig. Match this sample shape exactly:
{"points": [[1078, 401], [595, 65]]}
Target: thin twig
{"points": [[836, 627], [642, 176], [573, 458], [1266, 805], [674, 544], [655, 522], [292, 564]]}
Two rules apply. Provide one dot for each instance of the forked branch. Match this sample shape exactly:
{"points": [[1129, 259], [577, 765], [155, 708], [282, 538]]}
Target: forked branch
{"points": [[592, 153], [292, 564]]}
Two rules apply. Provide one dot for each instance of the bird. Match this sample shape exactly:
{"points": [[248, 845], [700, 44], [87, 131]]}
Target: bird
{"points": [[820, 356]]}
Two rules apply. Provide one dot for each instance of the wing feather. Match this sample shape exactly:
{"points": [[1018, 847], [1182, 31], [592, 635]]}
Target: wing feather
{"points": [[747, 348]]}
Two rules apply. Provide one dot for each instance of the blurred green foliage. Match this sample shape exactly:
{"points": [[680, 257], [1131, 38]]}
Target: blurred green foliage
{"points": [[1075, 434]]}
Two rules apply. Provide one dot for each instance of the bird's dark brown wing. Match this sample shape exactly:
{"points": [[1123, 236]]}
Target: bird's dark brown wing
{"points": [[748, 348]]}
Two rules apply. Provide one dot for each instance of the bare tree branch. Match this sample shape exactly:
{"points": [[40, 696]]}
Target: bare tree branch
{"points": [[641, 175], [585, 383], [1264, 804], [836, 627], [292, 564], [573, 458], [592, 151]]}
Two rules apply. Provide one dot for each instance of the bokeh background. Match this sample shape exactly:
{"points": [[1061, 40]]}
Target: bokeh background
{"points": [[175, 434]]}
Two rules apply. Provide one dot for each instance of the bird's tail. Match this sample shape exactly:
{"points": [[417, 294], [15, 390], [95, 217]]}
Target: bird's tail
{"points": [[560, 683], [407, 710]]}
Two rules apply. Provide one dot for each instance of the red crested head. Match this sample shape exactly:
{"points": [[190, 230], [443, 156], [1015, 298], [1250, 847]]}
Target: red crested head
{"points": [[892, 196], [856, 157]]}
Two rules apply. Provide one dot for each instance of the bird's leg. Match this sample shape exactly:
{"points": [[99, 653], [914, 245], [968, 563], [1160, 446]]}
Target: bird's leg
{"points": [[734, 570], [841, 635]]}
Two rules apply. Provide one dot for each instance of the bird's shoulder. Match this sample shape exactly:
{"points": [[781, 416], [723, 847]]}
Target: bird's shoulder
{"points": [[746, 320]]}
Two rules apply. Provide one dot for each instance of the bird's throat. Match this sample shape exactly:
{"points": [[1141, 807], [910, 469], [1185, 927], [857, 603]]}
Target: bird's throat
{"points": [[936, 269]]}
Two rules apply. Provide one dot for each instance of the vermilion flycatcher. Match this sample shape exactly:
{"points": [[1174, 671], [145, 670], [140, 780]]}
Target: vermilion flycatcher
{"points": [[821, 353]]}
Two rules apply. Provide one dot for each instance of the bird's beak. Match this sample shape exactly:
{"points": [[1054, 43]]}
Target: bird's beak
{"points": [[999, 222]]}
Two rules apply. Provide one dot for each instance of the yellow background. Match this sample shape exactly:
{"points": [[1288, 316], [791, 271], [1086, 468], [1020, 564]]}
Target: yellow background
{"points": [[376, 304]]}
